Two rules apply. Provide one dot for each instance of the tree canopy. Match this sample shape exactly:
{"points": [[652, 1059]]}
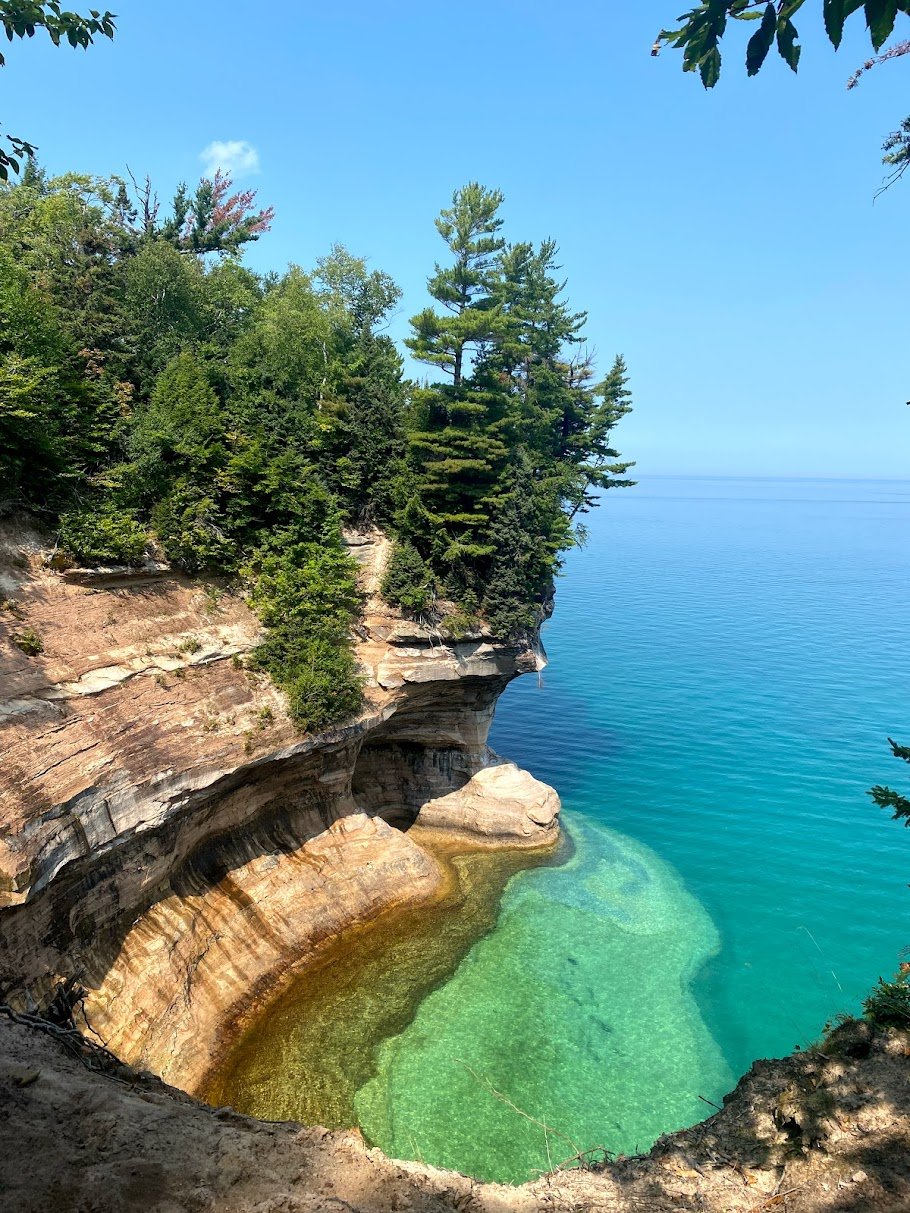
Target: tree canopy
{"points": [[515, 441], [156, 395]]}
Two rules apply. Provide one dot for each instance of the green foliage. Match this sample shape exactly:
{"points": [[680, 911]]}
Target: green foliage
{"points": [[408, 582], [22, 19], [28, 641], [164, 305], [307, 597], [32, 439], [704, 26], [283, 353], [530, 531], [518, 443], [325, 688], [886, 798], [459, 624], [363, 443], [179, 432], [154, 390], [191, 530], [214, 220], [889, 1002], [104, 536]]}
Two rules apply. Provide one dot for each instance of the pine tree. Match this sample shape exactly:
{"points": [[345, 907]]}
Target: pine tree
{"points": [[458, 445], [591, 461], [179, 433], [887, 798]]}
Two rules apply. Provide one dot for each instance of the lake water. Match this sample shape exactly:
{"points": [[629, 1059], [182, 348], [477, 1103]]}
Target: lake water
{"points": [[728, 658]]}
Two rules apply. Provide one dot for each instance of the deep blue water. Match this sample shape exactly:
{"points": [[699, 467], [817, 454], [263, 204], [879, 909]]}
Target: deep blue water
{"points": [[727, 658]]}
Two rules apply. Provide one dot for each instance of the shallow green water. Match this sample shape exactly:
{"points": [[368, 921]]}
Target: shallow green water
{"points": [[727, 660], [315, 1045], [575, 1012]]}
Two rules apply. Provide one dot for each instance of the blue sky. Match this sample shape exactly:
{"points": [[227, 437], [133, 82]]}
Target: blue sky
{"points": [[726, 243]]}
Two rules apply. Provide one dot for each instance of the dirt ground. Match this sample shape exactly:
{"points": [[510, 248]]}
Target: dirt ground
{"points": [[821, 1131]]}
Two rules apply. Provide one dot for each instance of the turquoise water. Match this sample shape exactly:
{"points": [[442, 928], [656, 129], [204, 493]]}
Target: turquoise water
{"points": [[570, 1027], [727, 659]]}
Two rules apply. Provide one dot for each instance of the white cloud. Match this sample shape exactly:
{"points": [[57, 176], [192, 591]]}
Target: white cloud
{"points": [[235, 157]]}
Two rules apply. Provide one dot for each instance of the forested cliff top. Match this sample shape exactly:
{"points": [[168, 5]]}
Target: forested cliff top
{"points": [[158, 397]]}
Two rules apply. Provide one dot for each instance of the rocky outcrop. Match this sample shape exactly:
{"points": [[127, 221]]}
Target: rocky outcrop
{"points": [[500, 805], [167, 835]]}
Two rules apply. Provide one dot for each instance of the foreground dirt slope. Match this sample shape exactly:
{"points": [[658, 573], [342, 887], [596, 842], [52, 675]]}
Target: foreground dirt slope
{"points": [[810, 1134]]}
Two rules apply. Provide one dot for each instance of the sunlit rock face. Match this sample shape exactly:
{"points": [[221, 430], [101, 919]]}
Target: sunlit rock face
{"points": [[167, 835], [499, 804]]}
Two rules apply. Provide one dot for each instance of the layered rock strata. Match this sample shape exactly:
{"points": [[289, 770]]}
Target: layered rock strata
{"points": [[170, 839]]}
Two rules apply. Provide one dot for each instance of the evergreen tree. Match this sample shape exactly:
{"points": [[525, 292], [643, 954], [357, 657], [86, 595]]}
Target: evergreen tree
{"points": [[518, 443], [590, 460], [887, 798], [530, 531], [363, 440], [180, 431], [214, 220], [458, 442]]}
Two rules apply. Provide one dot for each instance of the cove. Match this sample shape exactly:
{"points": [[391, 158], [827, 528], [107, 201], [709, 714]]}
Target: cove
{"points": [[305, 1053], [500, 1044], [569, 1027], [726, 664]]}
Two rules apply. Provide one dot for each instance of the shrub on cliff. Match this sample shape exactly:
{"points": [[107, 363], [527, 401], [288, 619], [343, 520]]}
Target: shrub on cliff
{"points": [[889, 1002], [191, 531], [104, 536], [408, 582], [325, 686], [307, 596]]}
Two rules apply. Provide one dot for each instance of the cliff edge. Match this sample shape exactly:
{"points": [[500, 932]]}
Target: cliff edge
{"points": [[820, 1132], [170, 841]]}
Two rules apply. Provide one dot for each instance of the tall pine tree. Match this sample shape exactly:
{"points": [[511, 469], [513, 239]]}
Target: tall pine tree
{"points": [[458, 445]]}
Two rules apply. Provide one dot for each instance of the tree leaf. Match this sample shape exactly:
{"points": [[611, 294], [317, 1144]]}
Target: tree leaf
{"points": [[760, 42], [836, 12], [880, 17], [787, 44], [710, 68]]}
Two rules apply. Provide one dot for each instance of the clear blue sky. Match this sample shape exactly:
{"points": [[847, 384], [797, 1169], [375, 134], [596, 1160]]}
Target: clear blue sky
{"points": [[725, 242]]}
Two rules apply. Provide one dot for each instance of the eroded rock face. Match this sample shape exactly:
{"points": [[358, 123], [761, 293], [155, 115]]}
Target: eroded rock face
{"points": [[168, 835]]}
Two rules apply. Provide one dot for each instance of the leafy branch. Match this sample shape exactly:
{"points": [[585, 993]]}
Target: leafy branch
{"points": [[703, 27], [886, 798], [23, 19]]}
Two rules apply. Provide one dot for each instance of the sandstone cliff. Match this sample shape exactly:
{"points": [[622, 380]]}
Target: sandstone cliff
{"points": [[169, 837], [167, 834]]}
